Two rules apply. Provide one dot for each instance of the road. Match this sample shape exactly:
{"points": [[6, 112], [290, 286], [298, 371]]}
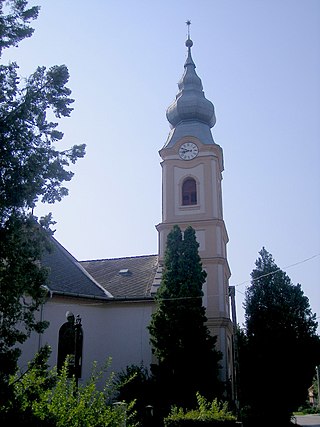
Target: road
{"points": [[308, 420]]}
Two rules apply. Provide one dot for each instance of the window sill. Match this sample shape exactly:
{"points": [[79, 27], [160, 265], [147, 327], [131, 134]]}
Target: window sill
{"points": [[189, 207]]}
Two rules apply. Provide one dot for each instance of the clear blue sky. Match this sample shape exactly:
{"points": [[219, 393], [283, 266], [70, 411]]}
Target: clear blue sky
{"points": [[259, 61]]}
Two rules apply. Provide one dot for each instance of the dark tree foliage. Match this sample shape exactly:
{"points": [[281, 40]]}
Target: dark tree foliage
{"points": [[18, 409], [279, 348], [14, 22], [135, 384], [187, 359], [31, 166], [32, 169]]}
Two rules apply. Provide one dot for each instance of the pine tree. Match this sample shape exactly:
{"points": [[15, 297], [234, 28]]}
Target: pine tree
{"points": [[188, 361], [280, 347]]}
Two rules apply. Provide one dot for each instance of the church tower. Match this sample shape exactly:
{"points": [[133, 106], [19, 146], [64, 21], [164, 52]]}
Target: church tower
{"points": [[192, 165]]}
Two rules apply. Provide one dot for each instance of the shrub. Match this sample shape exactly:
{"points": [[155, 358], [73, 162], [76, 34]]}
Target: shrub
{"points": [[80, 406], [135, 384], [46, 398], [206, 414], [26, 388]]}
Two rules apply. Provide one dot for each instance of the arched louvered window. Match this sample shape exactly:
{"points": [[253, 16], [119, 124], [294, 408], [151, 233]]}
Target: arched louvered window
{"points": [[189, 192]]}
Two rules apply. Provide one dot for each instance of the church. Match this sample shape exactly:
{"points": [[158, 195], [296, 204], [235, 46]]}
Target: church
{"points": [[113, 299]]}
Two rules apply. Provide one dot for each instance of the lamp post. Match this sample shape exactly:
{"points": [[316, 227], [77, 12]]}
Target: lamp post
{"points": [[78, 338], [70, 345]]}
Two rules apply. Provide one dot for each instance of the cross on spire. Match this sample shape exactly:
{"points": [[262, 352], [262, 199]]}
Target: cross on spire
{"points": [[188, 22]]}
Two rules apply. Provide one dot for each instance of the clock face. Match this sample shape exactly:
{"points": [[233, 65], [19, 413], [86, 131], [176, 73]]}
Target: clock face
{"points": [[188, 151]]}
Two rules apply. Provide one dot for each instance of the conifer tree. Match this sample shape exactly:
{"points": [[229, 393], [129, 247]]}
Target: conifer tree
{"points": [[187, 359], [279, 348]]}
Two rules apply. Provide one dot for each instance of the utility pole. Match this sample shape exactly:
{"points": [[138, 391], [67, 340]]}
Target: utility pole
{"points": [[318, 381], [232, 295]]}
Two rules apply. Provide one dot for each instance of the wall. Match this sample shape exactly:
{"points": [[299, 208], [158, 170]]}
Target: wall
{"points": [[118, 330]]}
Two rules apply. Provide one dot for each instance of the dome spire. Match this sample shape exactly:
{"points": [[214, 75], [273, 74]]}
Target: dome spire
{"points": [[190, 106], [189, 44]]}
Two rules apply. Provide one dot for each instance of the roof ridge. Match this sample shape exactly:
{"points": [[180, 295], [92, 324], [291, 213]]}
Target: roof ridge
{"points": [[116, 258]]}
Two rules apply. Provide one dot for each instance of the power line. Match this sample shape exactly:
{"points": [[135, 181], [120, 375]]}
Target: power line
{"points": [[278, 269]]}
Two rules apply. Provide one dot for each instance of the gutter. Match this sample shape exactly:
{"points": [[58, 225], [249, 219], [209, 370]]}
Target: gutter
{"points": [[106, 299]]}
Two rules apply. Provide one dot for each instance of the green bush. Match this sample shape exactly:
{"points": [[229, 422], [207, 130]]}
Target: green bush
{"points": [[135, 384], [200, 423], [206, 414], [46, 398], [80, 406], [308, 409], [26, 388]]}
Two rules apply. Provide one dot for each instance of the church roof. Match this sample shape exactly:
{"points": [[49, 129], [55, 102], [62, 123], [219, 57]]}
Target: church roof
{"points": [[129, 277], [68, 277], [116, 278]]}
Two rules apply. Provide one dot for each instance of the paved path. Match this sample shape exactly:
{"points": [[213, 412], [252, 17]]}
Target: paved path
{"points": [[308, 420]]}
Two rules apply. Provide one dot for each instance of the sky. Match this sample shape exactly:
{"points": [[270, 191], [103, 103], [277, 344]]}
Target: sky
{"points": [[259, 62]]}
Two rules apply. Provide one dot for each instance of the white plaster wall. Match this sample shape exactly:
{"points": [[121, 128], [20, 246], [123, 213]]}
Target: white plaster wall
{"points": [[223, 349], [164, 192], [201, 239], [221, 288], [205, 294], [110, 330], [219, 245], [215, 201]]}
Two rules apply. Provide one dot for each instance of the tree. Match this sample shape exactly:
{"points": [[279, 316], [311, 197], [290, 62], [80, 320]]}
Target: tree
{"points": [[32, 169], [188, 361], [279, 348], [14, 25], [135, 384]]}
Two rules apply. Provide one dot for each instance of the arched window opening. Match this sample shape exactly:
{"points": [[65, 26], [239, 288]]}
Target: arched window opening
{"points": [[189, 192]]}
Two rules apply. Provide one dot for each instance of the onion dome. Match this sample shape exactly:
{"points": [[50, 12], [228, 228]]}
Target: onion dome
{"points": [[190, 103]]}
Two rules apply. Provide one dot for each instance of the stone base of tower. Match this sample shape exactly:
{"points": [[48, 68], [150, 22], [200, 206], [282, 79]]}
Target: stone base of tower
{"points": [[222, 328]]}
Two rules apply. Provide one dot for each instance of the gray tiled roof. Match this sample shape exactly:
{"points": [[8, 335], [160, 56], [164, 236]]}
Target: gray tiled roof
{"points": [[199, 130], [67, 276], [130, 277]]}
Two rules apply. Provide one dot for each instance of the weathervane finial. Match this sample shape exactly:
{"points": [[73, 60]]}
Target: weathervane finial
{"points": [[189, 42], [188, 22]]}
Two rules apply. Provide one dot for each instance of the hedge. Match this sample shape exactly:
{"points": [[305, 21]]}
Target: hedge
{"points": [[201, 423]]}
